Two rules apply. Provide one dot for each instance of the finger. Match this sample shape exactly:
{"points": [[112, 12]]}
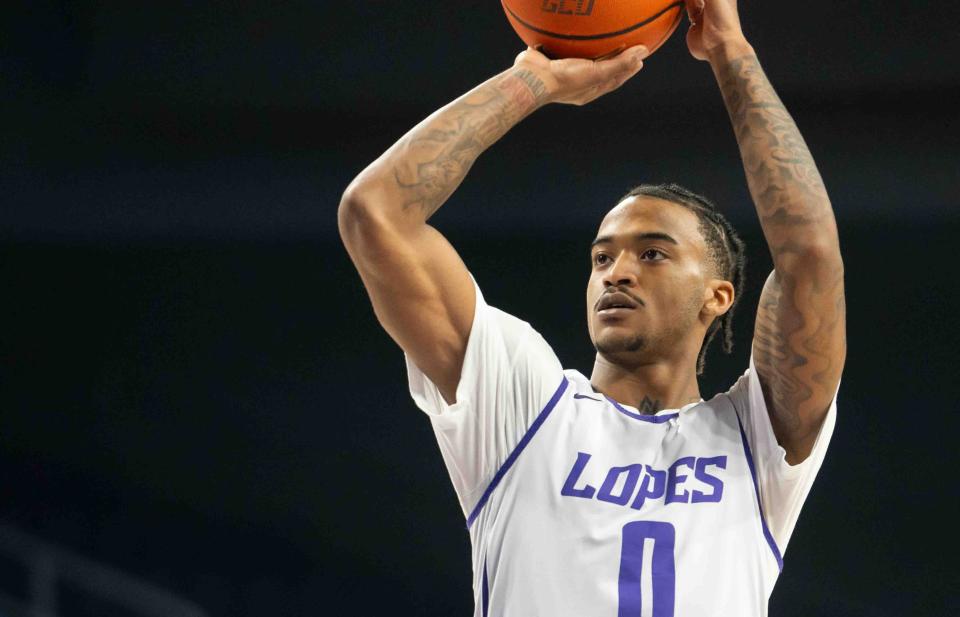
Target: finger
{"points": [[639, 50], [694, 9], [629, 61], [624, 61], [623, 55], [609, 86], [623, 77], [532, 55], [614, 84], [611, 54], [620, 79]]}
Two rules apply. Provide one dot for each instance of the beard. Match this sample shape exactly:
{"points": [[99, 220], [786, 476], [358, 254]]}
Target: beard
{"points": [[609, 345], [647, 340]]}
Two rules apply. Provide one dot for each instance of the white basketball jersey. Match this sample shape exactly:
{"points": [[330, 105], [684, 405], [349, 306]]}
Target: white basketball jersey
{"points": [[580, 506]]}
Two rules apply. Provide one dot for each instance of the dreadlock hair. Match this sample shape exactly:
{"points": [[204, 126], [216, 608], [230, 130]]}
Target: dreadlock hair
{"points": [[726, 250]]}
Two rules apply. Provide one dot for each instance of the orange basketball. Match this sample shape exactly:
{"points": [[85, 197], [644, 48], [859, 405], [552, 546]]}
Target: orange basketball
{"points": [[592, 28]]}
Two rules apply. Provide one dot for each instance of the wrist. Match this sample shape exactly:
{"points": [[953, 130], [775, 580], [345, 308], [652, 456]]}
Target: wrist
{"points": [[540, 83], [722, 54]]}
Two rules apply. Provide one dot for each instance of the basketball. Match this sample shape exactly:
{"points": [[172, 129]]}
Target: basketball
{"points": [[592, 28]]}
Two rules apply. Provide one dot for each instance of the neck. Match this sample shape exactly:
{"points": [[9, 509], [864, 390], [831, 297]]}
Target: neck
{"points": [[649, 387]]}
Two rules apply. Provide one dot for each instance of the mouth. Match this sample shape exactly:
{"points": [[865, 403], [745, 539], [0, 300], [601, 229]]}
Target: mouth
{"points": [[613, 303], [613, 311]]}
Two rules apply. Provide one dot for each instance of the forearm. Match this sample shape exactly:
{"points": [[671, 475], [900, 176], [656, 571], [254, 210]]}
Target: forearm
{"points": [[791, 200], [412, 179]]}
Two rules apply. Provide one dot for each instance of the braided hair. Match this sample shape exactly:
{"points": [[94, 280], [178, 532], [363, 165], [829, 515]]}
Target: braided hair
{"points": [[724, 246]]}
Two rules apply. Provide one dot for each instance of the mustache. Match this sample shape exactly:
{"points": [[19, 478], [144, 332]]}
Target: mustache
{"points": [[619, 289]]}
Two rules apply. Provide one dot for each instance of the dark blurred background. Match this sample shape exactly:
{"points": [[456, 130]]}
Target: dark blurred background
{"points": [[193, 387]]}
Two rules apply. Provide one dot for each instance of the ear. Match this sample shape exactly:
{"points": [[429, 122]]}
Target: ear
{"points": [[717, 298]]}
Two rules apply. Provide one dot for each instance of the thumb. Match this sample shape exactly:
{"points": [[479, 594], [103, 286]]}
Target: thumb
{"points": [[694, 10]]}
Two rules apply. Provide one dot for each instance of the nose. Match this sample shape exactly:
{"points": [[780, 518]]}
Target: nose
{"points": [[622, 272]]}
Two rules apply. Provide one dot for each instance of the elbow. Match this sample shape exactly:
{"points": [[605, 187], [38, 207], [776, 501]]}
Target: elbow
{"points": [[816, 256], [826, 253], [353, 202], [357, 214], [347, 214]]}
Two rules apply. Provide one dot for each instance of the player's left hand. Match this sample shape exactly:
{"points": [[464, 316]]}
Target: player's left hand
{"points": [[713, 25]]}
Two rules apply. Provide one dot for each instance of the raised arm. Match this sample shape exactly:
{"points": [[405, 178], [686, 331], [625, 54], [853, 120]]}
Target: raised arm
{"points": [[799, 343], [420, 289]]}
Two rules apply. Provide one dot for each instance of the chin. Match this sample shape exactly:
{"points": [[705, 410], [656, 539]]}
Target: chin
{"points": [[613, 343]]}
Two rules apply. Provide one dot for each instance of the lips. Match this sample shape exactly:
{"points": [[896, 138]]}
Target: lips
{"points": [[615, 300]]}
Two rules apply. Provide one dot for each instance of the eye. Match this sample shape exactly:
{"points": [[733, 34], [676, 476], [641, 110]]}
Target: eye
{"points": [[654, 251], [601, 259]]}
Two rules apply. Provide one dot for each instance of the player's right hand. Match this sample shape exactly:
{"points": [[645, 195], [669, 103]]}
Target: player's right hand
{"points": [[577, 81]]}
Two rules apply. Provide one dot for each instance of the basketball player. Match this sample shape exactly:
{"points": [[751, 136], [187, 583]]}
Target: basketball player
{"points": [[625, 493]]}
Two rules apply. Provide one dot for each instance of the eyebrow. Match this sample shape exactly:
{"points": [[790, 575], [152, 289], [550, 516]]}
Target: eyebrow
{"points": [[649, 235]]}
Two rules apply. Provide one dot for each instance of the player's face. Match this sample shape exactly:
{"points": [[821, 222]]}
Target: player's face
{"points": [[647, 281]]}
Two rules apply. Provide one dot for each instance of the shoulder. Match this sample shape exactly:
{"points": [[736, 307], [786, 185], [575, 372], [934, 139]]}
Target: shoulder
{"points": [[578, 381], [737, 396], [497, 333]]}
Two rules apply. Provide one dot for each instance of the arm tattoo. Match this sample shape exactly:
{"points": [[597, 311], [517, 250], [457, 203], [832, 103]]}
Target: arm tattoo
{"points": [[787, 188], [434, 160], [799, 342]]}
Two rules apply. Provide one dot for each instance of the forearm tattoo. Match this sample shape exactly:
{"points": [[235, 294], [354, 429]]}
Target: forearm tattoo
{"points": [[799, 337], [787, 188], [434, 161]]}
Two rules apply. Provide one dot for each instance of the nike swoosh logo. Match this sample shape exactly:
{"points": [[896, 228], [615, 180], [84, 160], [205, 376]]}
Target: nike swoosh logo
{"points": [[589, 397]]}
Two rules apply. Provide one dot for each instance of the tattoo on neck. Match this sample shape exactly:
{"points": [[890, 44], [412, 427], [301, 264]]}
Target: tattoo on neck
{"points": [[647, 405]]}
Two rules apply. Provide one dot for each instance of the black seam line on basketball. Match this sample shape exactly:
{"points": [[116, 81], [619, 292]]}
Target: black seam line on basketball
{"points": [[590, 37]]}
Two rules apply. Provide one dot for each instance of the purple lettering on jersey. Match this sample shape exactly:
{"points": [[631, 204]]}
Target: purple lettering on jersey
{"points": [[674, 478], [662, 569], [568, 489], [702, 475], [653, 483], [613, 476], [652, 487]]}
